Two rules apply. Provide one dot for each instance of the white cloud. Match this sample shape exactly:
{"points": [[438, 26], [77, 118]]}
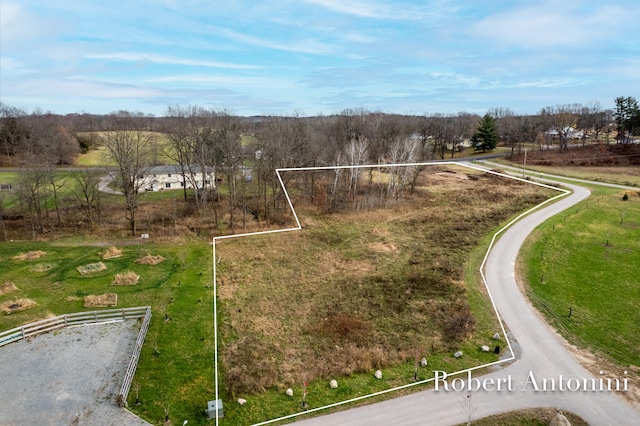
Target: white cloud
{"points": [[354, 7], [390, 10], [12, 66], [549, 24], [160, 59], [226, 80], [18, 25], [299, 46]]}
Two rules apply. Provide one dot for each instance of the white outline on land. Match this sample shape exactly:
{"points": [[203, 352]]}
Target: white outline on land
{"points": [[299, 227]]}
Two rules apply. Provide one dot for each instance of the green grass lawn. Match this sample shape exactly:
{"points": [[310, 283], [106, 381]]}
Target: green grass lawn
{"points": [[176, 363], [95, 157], [582, 268]]}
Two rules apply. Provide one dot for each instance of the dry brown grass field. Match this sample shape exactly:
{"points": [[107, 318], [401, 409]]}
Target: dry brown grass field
{"points": [[360, 289]]}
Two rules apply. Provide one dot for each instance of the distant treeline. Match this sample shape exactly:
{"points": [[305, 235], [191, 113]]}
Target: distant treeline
{"points": [[199, 140]]}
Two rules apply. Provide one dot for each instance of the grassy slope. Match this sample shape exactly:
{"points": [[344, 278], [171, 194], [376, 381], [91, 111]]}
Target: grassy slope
{"points": [[586, 260]]}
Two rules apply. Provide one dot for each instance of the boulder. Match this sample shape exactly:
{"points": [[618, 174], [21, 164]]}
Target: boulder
{"points": [[496, 336], [458, 354], [289, 392], [242, 401], [560, 420], [485, 348], [333, 384], [423, 362], [378, 374]]}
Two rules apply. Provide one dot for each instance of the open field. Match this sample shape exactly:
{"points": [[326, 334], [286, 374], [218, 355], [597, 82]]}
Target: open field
{"points": [[357, 291], [604, 163], [97, 155]]}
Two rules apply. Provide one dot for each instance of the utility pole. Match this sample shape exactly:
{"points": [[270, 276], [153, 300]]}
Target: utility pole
{"points": [[524, 164]]}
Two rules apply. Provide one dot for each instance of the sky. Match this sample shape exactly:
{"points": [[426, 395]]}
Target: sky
{"points": [[310, 57]]}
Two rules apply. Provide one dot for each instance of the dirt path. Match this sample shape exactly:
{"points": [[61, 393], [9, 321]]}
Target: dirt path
{"points": [[67, 377]]}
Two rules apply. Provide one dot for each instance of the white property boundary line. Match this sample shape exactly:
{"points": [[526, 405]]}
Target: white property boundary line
{"points": [[299, 227]]}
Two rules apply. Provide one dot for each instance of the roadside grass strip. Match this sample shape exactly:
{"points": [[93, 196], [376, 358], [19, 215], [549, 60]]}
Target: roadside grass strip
{"points": [[563, 192]]}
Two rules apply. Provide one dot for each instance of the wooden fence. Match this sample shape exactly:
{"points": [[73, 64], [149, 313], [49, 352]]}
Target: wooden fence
{"points": [[133, 363], [79, 318], [94, 317]]}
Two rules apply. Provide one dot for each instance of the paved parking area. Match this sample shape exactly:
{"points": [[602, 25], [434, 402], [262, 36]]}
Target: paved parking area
{"points": [[68, 377]]}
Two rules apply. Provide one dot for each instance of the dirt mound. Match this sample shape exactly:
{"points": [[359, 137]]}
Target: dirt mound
{"points": [[16, 305], [91, 268], [30, 255], [382, 247], [101, 301], [126, 278], [7, 287], [150, 259], [42, 267], [111, 253]]}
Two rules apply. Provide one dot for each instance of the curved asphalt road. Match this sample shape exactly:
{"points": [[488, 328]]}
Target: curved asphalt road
{"points": [[543, 355]]}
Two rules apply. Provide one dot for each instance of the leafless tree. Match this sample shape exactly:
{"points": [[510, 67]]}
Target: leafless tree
{"points": [[13, 134], [226, 155], [403, 151], [560, 119], [355, 154], [129, 141], [29, 189], [190, 131], [281, 143], [88, 192]]}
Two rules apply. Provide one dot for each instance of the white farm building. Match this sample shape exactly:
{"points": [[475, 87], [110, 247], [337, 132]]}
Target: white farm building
{"points": [[171, 177]]}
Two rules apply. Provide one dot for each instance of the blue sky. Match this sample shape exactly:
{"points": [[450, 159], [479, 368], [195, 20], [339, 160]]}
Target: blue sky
{"points": [[317, 56]]}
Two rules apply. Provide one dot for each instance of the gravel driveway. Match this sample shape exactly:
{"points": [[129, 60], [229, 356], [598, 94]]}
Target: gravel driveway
{"points": [[68, 377]]}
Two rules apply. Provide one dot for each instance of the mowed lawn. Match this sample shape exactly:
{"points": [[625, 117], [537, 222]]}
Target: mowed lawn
{"points": [[176, 363], [582, 267]]}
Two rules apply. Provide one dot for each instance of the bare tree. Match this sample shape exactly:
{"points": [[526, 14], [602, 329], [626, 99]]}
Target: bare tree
{"points": [[592, 118], [508, 126], [226, 153], [12, 132], [560, 121], [29, 188], [355, 154], [402, 152], [129, 145], [284, 142], [88, 192]]}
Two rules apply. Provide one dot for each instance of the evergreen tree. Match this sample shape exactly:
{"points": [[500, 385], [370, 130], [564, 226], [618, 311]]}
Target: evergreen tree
{"points": [[627, 117], [485, 137]]}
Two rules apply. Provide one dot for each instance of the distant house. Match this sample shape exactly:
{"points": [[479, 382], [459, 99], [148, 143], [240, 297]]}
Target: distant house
{"points": [[461, 143], [170, 177], [567, 132]]}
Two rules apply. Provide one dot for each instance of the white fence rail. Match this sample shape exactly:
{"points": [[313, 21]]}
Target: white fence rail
{"points": [[133, 363], [54, 323]]}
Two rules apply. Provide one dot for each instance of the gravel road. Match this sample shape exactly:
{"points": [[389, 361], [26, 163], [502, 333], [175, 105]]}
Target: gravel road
{"points": [[68, 377]]}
